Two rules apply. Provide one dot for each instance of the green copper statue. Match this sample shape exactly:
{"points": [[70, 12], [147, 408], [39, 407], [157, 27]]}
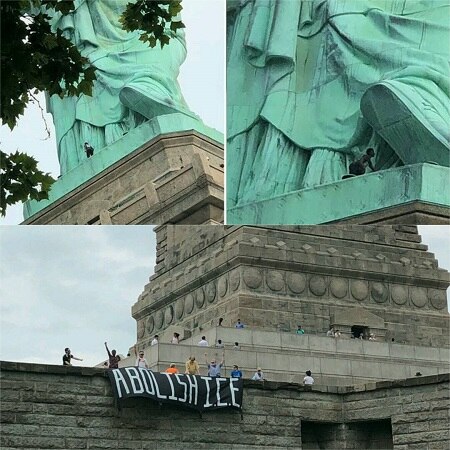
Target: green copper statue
{"points": [[313, 84], [134, 82]]}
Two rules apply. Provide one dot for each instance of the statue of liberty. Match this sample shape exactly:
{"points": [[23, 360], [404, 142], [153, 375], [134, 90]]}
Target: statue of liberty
{"points": [[313, 84], [134, 82]]}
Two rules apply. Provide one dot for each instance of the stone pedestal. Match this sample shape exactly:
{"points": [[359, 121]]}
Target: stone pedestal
{"points": [[417, 195], [274, 278], [380, 279], [174, 178]]}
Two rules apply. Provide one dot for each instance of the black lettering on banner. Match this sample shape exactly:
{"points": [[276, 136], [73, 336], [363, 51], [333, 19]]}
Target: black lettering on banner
{"points": [[194, 391]]}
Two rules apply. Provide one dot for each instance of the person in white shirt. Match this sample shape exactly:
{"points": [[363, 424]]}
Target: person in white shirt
{"points": [[141, 361], [308, 379], [259, 376], [203, 342], [219, 344], [330, 332], [175, 338], [155, 340]]}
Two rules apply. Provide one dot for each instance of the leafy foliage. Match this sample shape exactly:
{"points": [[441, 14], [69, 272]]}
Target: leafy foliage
{"points": [[33, 58], [20, 179], [153, 19]]}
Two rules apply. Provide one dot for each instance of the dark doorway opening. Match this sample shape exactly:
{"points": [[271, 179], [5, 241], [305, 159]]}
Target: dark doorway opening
{"points": [[358, 330], [370, 435]]}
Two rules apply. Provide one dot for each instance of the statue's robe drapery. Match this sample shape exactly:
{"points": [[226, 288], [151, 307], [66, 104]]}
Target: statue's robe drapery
{"points": [[134, 82], [312, 84]]}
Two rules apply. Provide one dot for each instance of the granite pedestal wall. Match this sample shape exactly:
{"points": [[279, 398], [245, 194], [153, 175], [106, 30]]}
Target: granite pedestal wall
{"points": [[381, 279], [46, 407], [173, 178]]}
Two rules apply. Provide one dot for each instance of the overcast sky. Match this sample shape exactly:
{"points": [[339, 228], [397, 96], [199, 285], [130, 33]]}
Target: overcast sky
{"points": [[71, 287], [202, 81], [74, 287]]}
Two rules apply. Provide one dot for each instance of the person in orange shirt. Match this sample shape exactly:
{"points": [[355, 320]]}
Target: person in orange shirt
{"points": [[172, 369]]}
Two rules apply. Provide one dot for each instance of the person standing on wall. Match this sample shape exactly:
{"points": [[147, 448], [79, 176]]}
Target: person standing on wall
{"points": [[113, 358], [67, 357]]}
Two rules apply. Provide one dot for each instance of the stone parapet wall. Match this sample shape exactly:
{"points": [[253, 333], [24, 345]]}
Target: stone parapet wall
{"points": [[286, 357], [45, 407]]}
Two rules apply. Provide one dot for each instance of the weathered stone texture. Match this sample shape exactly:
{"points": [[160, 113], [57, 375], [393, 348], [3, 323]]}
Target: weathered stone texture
{"points": [[174, 178], [46, 407], [273, 278]]}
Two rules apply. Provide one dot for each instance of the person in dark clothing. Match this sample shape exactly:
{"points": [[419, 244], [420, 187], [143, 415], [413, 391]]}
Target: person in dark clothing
{"points": [[113, 358], [67, 357], [88, 149], [359, 167]]}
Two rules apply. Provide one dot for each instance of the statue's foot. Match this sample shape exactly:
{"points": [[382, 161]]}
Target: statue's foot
{"points": [[404, 126]]}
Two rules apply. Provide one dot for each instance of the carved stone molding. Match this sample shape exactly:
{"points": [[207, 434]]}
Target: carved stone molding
{"points": [[359, 290], [222, 286], [200, 298], [189, 303], [150, 324], [437, 298], [159, 319], [211, 292], [379, 292], [419, 296], [296, 282], [275, 280], [141, 329], [179, 308], [252, 277], [168, 315], [235, 280], [318, 285], [399, 294], [339, 287]]}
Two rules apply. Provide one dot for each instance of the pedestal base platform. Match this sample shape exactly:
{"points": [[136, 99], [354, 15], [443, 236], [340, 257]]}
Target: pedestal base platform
{"points": [[417, 194], [175, 177]]}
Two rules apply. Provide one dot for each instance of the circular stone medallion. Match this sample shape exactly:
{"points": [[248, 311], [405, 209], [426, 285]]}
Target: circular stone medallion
{"points": [[359, 290], [437, 298], [211, 292], [222, 286], [252, 277], [339, 287], [179, 308], [159, 319], [235, 279], [419, 296], [379, 292], [296, 282], [141, 329], [189, 303], [168, 316], [200, 298], [399, 294], [275, 280], [318, 285], [150, 324]]}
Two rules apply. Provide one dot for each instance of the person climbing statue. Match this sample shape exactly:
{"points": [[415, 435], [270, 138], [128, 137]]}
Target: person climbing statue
{"points": [[359, 167]]}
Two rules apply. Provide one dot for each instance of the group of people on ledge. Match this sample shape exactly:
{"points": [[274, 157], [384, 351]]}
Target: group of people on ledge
{"points": [[354, 334]]}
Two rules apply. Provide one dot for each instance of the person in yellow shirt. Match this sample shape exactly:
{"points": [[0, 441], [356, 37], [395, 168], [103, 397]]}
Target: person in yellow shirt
{"points": [[192, 366]]}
